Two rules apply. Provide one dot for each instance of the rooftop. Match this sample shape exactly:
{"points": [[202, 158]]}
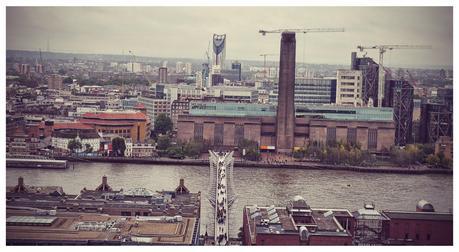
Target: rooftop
{"points": [[114, 115], [90, 228], [317, 221], [435, 216]]}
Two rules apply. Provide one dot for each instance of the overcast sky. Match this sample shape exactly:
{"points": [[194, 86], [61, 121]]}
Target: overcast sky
{"points": [[186, 31]]}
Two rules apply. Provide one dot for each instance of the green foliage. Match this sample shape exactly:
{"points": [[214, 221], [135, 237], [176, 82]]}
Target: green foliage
{"points": [[194, 148], [118, 146], [88, 148], [163, 124], [339, 153], [68, 80], [176, 152], [74, 145], [163, 142], [251, 149], [439, 161]]}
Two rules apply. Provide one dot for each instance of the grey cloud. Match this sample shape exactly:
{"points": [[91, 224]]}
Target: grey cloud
{"points": [[186, 31]]}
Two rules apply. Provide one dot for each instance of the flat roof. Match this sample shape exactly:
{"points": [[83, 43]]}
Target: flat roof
{"points": [[419, 215], [101, 228]]}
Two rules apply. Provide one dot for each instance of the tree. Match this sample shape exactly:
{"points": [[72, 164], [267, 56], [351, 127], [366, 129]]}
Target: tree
{"points": [[88, 148], [74, 145], [118, 146], [194, 148], [163, 142], [251, 149], [163, 124], [175, 152]]}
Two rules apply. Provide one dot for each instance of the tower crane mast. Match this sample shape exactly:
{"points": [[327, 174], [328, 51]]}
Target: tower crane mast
{"points": [[382, 49]]}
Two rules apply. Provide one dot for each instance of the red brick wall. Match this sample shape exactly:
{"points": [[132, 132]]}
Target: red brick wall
{"points": [[441, 232], [330, 240]]}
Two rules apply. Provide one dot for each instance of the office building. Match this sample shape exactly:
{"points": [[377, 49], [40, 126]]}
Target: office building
{"points": [[310, 91], [349, 87], [370, 71], [179, 107], [179, 67], [163, 75], [55, 82], [199, 80], [134, 67], [174, 92], [188, 68], [237, 66]]}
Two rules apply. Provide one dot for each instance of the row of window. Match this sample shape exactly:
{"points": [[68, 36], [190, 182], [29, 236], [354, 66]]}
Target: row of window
{"points": [[127, 131], [352, 137]]}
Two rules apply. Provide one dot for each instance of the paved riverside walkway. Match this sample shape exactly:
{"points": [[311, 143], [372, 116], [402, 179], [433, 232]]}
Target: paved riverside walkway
{"points": [[418, 169]]}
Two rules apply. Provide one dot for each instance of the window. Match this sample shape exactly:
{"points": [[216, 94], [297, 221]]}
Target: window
{"points": [[238, 134], [218, 134], [125, 213], [372, 139], [331, 135], [198, 131], [351, 135]]}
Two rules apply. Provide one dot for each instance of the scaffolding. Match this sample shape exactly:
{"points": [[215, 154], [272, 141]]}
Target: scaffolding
{"points": [[402, 101]]}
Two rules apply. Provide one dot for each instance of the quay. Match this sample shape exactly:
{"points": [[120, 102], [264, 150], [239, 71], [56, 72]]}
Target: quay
{"points": [[35, 163], [253, 164]]}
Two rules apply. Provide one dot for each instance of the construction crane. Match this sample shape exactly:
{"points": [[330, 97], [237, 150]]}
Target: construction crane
{"points": [[264, 55], [263, 32], [304, 31], [143, 72], [382, 49]]}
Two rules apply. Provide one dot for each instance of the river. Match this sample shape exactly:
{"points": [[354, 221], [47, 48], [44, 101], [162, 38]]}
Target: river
{"points": [[261, 186]]}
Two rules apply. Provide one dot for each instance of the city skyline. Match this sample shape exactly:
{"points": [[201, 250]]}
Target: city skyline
{"points": [[162, 31]]}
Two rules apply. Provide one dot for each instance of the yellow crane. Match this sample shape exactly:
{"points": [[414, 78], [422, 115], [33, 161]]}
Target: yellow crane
{"points": [[382, 49]]}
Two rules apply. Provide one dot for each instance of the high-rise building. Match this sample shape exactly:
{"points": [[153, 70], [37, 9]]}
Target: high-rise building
{"points": [[134, 67], [349, 87], [163, 75], [39, 68], [436, 121], [188, 68], [370, 70], [55, 82], [179, 67], [237, 66], [399, 95], [285, 119], [219, 45], [199, 80], [24, 69]]}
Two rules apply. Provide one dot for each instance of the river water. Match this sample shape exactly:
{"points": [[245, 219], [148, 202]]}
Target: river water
{"points": [[320, 188]]}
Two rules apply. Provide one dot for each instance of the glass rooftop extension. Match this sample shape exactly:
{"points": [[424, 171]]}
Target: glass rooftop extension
{"points": [[346, 113], [326, 111], [231, 109]]}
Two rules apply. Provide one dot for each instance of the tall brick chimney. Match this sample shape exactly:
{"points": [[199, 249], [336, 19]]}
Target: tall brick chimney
{"points": [[285, 122]]}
